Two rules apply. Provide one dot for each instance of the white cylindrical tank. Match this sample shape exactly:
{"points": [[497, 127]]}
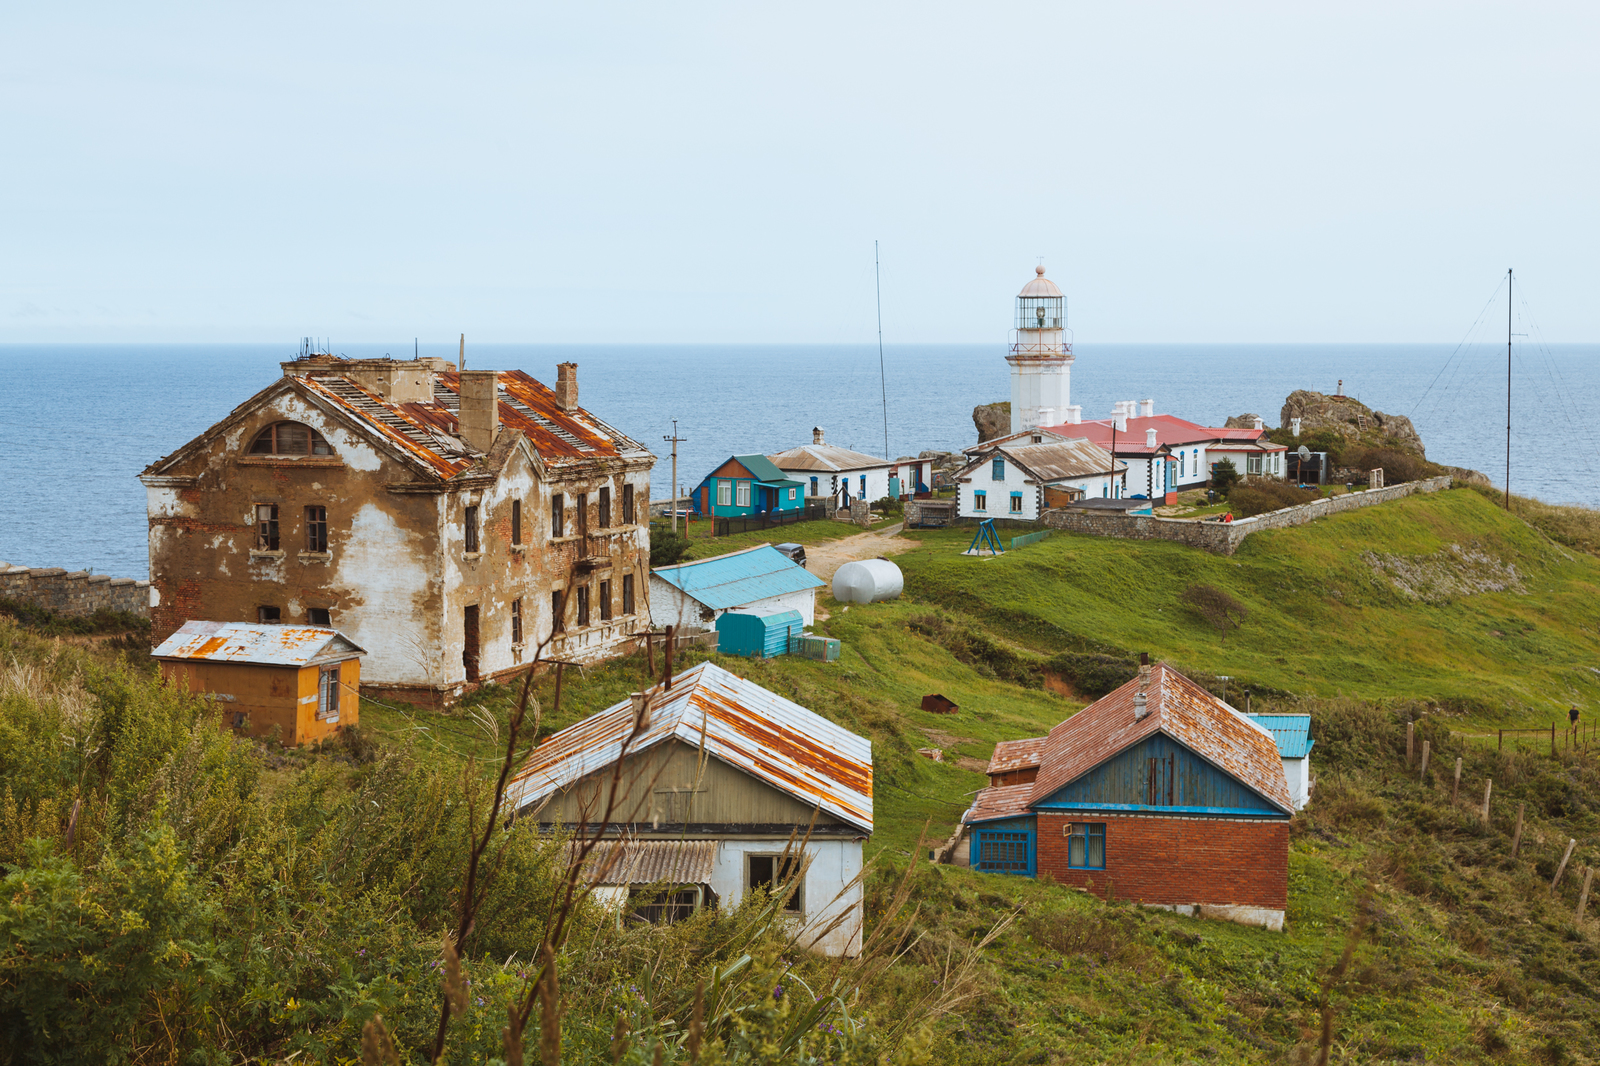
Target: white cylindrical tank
{"points": [[867, 581]]}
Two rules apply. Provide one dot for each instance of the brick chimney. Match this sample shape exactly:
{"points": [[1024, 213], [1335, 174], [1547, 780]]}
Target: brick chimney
{"points": [[1139, 698], [567, 386], [479, 414], [816, 434]]}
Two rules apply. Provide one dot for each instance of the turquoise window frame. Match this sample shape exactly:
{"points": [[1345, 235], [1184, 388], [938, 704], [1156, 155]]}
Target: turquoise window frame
{"points": [[997, 470], [1083, 840], [980, 501]]}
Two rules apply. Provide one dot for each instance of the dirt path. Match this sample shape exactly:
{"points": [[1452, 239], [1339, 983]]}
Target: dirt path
{"points": [[825, 558]]}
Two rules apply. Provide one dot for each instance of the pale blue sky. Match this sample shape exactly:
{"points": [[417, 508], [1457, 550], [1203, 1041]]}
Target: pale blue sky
{"points": [[699, 172]]}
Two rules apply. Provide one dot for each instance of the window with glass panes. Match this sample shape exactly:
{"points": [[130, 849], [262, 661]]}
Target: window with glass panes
{"points": [[1086, 845]]}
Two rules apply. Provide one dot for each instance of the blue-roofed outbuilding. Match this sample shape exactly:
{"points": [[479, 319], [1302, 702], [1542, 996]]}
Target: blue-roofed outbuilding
{"points": [[692, 595], [1293, 735]]}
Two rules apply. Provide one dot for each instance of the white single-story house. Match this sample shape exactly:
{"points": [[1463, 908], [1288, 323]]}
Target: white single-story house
{"points": [[691, 595], [1293, 734], [827, 470], [1018, 478], [717, 777]]}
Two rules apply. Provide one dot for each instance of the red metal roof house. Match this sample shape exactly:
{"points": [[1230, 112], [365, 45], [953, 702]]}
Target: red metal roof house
{"points": [[1159, 792]]}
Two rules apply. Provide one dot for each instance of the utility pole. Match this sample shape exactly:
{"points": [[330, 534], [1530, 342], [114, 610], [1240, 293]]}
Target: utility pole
{"points": [[1509, 305], [675, 440]]}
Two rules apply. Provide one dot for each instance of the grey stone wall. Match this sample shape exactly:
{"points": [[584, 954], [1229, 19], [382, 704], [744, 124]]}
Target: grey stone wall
{"points": [[1224, 538], [77, 593]]}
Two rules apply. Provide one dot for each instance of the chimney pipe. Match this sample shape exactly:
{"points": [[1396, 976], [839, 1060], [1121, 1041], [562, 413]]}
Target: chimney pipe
{"points": [[1139, 698], [1150, 438], [479, 410], [641, 711], [816, 434], [567, 386], [1147, 408], [1075, 414]]}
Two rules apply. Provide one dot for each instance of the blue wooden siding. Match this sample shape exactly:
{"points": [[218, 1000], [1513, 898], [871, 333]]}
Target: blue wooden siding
{"points": [[1009, 846], [1158, 773]]}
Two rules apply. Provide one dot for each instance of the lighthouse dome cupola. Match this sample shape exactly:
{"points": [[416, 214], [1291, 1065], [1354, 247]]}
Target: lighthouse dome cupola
{"points": [[1040, 304]]}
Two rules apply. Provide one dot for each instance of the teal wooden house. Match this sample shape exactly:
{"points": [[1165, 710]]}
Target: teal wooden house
{"points": [[747, 485], [763, 634]]}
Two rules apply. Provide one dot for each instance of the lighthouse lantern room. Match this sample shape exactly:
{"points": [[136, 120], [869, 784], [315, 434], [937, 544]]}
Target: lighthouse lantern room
{"points": [[1041, 358]]}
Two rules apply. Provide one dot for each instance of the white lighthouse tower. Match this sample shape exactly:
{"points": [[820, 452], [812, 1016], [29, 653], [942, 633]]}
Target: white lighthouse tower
{"points": [[1041, 357]]}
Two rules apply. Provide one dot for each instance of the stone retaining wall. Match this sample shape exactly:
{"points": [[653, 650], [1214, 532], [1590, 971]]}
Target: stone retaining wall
{"points": [[78, 593], [1224, 538]]}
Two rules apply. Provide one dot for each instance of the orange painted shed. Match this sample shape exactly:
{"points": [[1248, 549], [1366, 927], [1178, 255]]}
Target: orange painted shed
{"points": [[303, 680]]}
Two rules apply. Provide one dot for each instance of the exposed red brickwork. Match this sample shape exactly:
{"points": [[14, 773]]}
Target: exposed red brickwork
{"points": [[189, 495], [1177, 860]]}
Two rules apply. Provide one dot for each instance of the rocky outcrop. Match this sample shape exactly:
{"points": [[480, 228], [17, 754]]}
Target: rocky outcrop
{"points": [[992, 419], [1246, 421], [1469, 477], [1351, 419]]}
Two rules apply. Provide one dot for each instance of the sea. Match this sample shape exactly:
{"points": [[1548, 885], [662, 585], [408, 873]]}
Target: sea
{"points": [[79, 422]]}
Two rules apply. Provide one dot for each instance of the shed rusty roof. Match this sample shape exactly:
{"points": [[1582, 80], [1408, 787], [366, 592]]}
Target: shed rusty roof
{"points": [[1183, 711], [1012, 755], [773, 739], [429, 431], [242, 642], [648, 862], [998, 801]]}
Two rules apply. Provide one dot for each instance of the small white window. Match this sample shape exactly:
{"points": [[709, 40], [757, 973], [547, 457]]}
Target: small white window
{"points": [[744, 493], [724, 493]]}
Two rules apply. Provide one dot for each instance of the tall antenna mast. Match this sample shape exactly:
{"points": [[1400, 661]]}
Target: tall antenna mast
{"points": [[883, 382], [1508, 388]]}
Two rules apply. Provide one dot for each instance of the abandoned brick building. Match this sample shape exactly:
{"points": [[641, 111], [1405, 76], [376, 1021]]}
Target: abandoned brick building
{"points": [[438, 518]]}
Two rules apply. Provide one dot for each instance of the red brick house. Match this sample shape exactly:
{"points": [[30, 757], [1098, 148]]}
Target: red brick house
{"points": [[1159, 792]]}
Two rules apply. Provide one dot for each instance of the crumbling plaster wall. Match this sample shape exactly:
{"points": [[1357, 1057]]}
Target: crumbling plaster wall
{"points": [[379, 579]]}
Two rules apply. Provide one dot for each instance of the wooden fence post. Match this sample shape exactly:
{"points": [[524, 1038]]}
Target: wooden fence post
{"points": [[1501, 746], [1422, 775], [1571, 843], [1552, 740], [1455, 789], [1411, 733], [1488, 786], [1583, 897], [1516, 838]]}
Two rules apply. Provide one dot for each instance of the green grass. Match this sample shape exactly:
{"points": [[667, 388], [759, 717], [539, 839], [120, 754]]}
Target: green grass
{"points": [[704, 545]]}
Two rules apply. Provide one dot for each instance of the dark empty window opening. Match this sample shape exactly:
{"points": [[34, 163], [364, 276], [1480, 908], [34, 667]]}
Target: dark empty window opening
{"points": [[318, 616], [516, 621], [267, 527], [605, 508], [316, 529], [558, 515], [269, 616], [516, 521], [664, 908], [289, 438], [605, 601], [558, 611], [583, 605], [469, 642], [627, 594], [583, 515], [627, 505], [470, 527], [778, 873]]}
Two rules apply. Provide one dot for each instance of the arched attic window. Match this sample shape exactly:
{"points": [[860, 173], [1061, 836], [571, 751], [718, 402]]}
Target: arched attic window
{"points": [[289, 438]]}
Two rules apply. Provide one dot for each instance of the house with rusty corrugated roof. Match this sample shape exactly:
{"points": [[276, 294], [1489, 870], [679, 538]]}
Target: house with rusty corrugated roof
{"points": [[448, 521], [707, 790], [1158, 792]]}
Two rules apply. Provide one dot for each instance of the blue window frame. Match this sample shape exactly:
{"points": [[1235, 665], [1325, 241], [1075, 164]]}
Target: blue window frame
{"points": [[1086, 845], [1004, 851], [997, 470], [863, 486], [980, 501], [1016, 503], [813, 486]]}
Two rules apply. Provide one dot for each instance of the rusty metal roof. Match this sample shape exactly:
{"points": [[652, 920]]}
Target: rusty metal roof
{"points": [[1183, 711], [429, 432], [1012, 755], [242, 642], [998, 801], [773, 739], [648, 862], [1053, 460]]}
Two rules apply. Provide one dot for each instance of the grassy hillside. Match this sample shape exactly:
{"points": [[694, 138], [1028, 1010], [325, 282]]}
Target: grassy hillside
{"points": [[1327, 614]]}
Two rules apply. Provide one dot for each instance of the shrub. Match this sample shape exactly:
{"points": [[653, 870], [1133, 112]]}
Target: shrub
{"points": [[888, 505], [1398, 466], [1215, 606], [1092, 675], [1224, 476], [1250, 498], [667, 547]]}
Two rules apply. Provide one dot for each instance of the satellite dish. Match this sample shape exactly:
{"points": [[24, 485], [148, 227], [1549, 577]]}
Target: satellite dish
{"points": [[1304, 453]]}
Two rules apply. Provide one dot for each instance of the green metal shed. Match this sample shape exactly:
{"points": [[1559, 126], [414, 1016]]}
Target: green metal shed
{"points": [[757, 633]]}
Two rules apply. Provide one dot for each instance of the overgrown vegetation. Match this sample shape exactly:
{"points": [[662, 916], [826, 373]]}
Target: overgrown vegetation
{"points": [[1215, 606], [1250, 498], [102, 622]]}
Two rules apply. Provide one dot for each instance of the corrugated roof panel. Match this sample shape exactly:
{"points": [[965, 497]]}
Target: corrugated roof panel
{"points": [[825, 457], [998, 801], [1183, 711], [648, 862], [740, 577], [1291, 731], [241, 642], [757, 731], [1053, 461], [1012, 755]]}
